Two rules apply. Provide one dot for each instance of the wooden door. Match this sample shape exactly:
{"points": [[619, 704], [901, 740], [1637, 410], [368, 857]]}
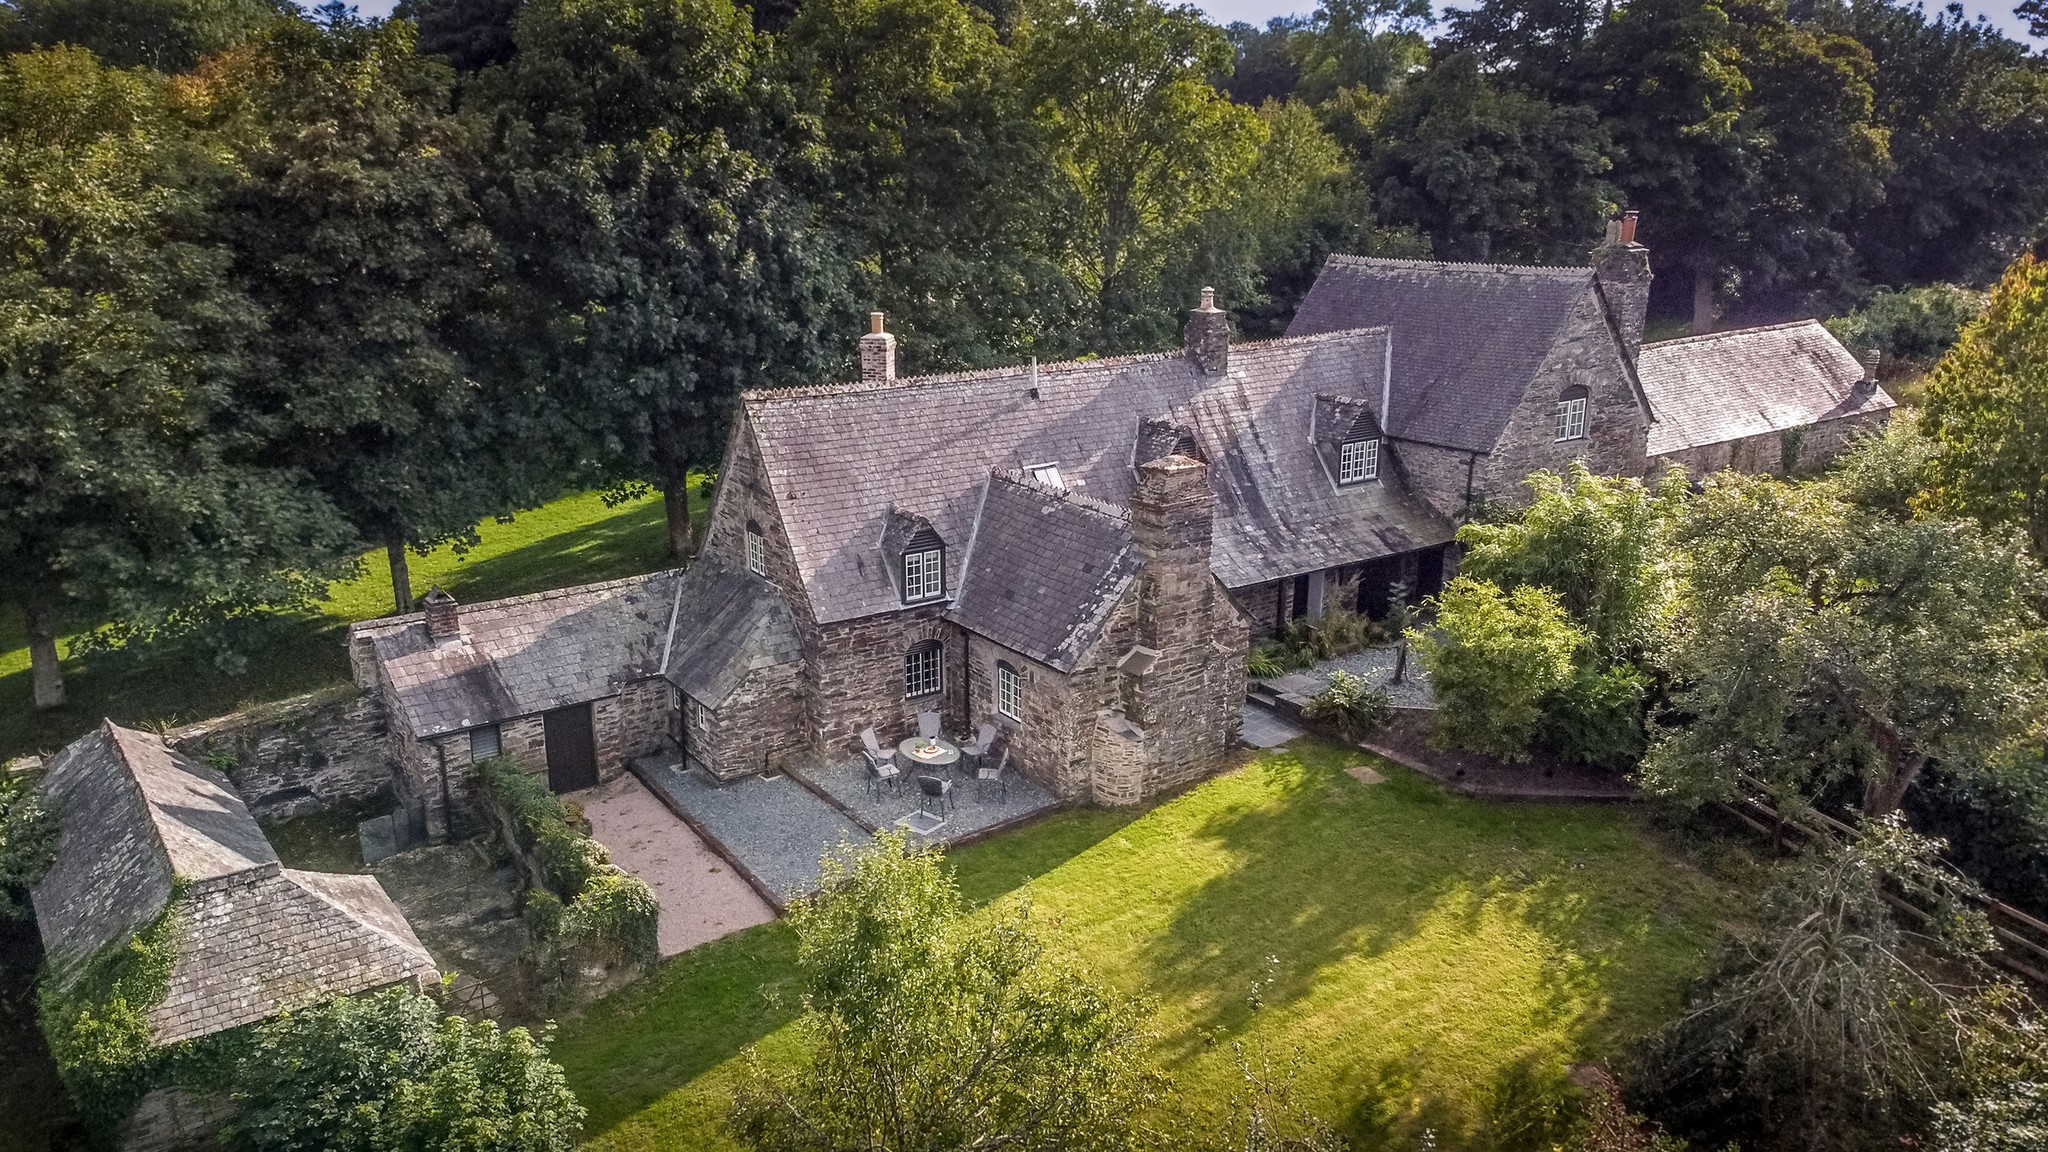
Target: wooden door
{"points": [[572, 748]]}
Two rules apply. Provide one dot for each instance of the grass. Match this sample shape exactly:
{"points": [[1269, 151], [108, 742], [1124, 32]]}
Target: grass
{"points": [[573, 540], [1437, 962]]}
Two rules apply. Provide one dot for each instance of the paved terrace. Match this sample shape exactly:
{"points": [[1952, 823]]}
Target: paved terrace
{"points": [[777, 828]]}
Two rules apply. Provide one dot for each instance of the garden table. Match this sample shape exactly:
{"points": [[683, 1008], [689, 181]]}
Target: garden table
{"points": [[928, 753]]}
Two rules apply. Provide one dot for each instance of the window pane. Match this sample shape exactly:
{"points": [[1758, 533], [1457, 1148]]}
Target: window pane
{"points": [[757, 554], [924, 574], [1009, 692], [921, 667], [1048, 475]]}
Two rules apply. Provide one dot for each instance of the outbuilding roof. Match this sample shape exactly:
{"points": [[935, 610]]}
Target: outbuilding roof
{"points": [[1468, 338], [728, 623], [251, 937], [525, 654], [1728, 385], [843, 459]]}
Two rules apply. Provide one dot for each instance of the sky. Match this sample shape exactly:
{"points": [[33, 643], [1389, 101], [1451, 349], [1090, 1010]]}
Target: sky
{"points": [[1259, 11]]}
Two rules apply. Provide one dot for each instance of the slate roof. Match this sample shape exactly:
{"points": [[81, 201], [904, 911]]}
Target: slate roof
{"points": [[1044, 570], [526, 654], [1468, 338], [254, 938], [1727, 385], [840, 459], [729, 622]]}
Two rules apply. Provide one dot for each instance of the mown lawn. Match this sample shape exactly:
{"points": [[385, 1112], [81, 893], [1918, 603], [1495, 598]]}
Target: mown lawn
{"points": [[1437, 962], [570, 541]]}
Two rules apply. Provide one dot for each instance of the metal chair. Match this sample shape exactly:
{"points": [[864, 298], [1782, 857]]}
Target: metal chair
{"points": [[931, 789], [984, 740], [985, 776], [881, 765], [928, 725]]}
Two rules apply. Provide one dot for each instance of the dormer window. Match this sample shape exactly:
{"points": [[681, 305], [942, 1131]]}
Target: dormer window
{"points": [[1048, 474], [1571, 415], [757, 550], [924, 568], [1358, 461]]}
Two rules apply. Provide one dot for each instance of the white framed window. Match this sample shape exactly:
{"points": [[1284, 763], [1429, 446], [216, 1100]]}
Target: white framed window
{"points": [[1571, 418], [924, 574], [1358, 461], [757, 550], [1009, 691], [700, 716], [924, 669], [484, 743], [1048, 474]]}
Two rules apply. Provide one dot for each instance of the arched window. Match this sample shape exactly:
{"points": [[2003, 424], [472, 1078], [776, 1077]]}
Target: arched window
{"points": [[757, 550], [1009, 690], [1571, 414], [924, 669]]}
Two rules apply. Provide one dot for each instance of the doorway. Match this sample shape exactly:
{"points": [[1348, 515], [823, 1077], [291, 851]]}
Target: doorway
{"points": [[572, 748]]}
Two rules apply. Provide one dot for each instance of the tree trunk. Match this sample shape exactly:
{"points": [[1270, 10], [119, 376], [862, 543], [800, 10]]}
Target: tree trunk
{"points": [[1702, 300], [1882, 795], [46, 673], [401, 575], [675, 494]]}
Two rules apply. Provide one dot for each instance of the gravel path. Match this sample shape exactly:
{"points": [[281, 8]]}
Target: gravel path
{"points": [[776, 827], [701, 897], [1375, 666], [974, 808]]}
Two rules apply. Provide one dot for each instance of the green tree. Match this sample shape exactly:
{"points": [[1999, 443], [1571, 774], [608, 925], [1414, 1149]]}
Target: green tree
{"points": [[167, 35], [1916, 325], [389, 1073], [930, 1027], [131, 488], [1818, 640], [650, 174], [1144, 145], [28, 842], [935, 187], [1534, 45], [1749, 140], [1369, 44], [469, 34], [1493, 657], [355, 226], [1598, 542], [1987, 411], [1491, 172]]}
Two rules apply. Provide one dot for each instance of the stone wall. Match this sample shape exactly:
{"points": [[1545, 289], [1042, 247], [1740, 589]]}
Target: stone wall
{"points": [[327, 749], [630, 725], [1617, 431], [1041, 742], [1764, 454], [759, 726], [1441, 476], [854, 678]]}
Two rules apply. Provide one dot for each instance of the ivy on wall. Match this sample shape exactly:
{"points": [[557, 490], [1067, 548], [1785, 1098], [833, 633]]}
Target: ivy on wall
{"points": [[96, 1022]]}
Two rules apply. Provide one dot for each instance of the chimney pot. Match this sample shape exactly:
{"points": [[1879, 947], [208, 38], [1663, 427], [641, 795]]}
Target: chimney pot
{"points": [[1208, 336], [1873, 358], [1628, 226], [444, 616], [877, 353]]}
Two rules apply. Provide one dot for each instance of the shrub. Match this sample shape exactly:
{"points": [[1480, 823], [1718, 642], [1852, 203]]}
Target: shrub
{"points": [[615, 915], [1915, 324], [95, 1017], [1355, 709], [1262, 664], [1492, 659], [1596, 718], [28, 843]]}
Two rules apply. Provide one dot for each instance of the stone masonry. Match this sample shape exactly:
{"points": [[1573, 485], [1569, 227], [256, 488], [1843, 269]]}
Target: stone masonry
{"points": [[327, 749]]}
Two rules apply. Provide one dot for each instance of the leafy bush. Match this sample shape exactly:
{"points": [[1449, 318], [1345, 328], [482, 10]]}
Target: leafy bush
{"points": [[390, 1073], [616, 915], [1914, 324], [28, 843], [1596, 718], [1355, 709], [1493, 658], [1263, 664], [95, 1017]]}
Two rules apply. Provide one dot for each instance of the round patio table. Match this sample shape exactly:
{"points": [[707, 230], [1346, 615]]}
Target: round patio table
{"points": [[943, 753]]}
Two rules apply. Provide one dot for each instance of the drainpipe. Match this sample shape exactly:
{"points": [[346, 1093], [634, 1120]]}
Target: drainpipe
{"points": [[1471, 462], [447, 797]]}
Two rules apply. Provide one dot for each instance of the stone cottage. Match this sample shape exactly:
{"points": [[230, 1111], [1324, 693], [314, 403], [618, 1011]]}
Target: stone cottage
{"points": [[568, 682], [1497, 371], [254, 938]]}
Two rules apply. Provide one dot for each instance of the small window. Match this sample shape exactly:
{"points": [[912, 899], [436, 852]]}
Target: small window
{"points": [[484, 743], [1049, 475], [924, 575], [1358, 461], [1571, 415], [757, 550], [1009, 691], [923, 669], [700, 716]]}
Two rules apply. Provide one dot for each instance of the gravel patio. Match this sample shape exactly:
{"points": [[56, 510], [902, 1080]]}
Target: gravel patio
{"points": [[1375, 666], [772, 826], [974, 809]]}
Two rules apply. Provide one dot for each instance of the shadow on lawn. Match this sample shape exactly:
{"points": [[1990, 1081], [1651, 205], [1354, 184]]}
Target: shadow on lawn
{"points": [[628, 542]]}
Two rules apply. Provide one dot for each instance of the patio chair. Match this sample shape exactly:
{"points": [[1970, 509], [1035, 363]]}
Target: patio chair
{"points": [[984, 740], [881, 765], [988, 775], [928, 725], [933, 791], [880, 774]]}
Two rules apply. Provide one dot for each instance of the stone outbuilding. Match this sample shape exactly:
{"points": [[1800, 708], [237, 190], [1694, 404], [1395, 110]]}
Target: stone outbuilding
{"points": [[567, 682], [252, 937]]}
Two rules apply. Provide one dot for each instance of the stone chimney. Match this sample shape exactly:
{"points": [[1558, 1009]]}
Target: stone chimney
{"points": [[1873, 359], [1173, 517], [1208, 336], [444, 616], [1623, 268], [877, 353]]}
